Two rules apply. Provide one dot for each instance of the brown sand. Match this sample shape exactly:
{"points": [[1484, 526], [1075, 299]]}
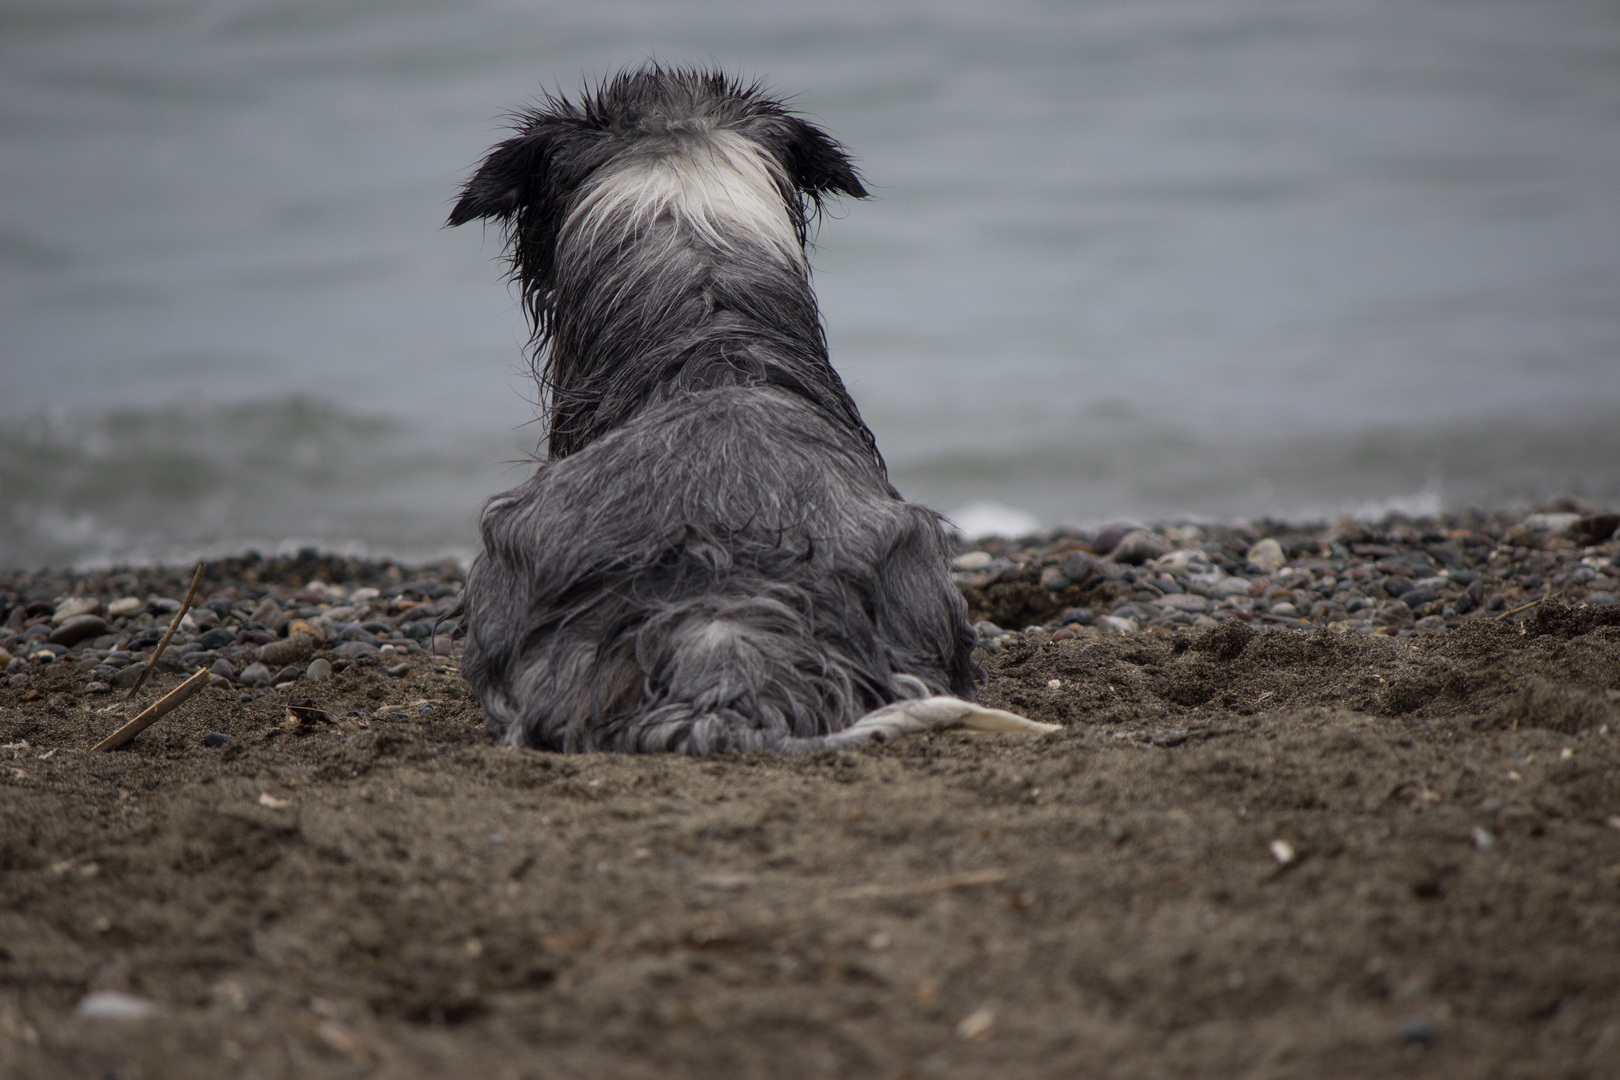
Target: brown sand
{"points": [[388, 894]]}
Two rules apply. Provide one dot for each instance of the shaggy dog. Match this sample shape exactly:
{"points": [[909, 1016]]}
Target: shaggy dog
{"points": [[712, 557]]}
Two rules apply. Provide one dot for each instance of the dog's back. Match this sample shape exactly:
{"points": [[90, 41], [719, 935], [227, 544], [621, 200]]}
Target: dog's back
{"points": [[713, 557]]}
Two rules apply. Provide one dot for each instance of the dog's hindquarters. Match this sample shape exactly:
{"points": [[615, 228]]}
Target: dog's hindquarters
{"points": [[729, 570]]}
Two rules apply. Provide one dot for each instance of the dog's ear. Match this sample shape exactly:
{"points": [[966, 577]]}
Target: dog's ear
{"points": [[816, 163], [514, 175]]}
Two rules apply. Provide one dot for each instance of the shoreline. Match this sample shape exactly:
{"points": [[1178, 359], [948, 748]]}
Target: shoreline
{"points": [[1399, 577]]}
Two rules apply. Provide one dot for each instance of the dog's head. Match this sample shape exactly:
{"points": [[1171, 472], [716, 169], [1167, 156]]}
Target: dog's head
{"points": [[720, 158]]}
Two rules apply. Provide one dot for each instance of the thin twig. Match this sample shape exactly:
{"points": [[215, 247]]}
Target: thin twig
{"points": [[173, 626], [153, 712], [1527, 607], [915, 888]]}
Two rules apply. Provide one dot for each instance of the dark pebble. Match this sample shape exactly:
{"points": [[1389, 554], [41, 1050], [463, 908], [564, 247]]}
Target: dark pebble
{"points": [[1415, 597], [78, 628], [1421, 1032], [1110, 535], [216, 738], [217, 638], [353, 650], [1079, 615]]}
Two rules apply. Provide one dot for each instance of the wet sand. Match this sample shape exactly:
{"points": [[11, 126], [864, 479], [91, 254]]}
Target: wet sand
{"points": [[1254, 849]]}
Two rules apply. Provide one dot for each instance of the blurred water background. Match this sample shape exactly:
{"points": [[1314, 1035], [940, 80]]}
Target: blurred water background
{"points": [[1126, 258]]}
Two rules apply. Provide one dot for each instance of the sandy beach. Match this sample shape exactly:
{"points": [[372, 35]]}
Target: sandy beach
{"points": [[1329, 800]]}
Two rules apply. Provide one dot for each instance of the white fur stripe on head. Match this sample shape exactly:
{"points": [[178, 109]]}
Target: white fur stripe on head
{"points": [[717, 185]]}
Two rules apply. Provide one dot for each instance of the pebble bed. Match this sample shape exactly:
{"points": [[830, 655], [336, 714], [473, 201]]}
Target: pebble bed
{"points": [[254, 623], [259, 623], [1400, 576]]}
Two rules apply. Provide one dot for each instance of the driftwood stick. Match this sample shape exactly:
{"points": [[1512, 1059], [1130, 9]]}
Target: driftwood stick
{"points": [[191, 594], [153, 712], [1531, 604], [917, 888]]}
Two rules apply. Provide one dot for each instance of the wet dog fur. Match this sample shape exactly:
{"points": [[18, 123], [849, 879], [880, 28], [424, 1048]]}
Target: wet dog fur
{"points": [[711, 557]]}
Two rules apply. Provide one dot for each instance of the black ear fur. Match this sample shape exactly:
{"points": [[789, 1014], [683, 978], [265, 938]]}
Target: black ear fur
{"points": [[509, 178], [816, 163]]}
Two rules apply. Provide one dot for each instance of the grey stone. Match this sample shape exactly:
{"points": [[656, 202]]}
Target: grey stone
{"points": [[1078, 565], [1138, 547], [353, 650], [77, 628], [319, 669], [1600, 599], [1110, 535], [268, 613], [1267, 554], [72, 609], [254, 675], [222, 667], [292, 650]]}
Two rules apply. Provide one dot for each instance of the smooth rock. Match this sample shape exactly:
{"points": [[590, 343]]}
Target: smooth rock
{"points": [[254, 675], [1596, 528], [1267, 554], [222, 667], [127, 677], [76, 629], [290, 673], [97, 687], [1110, 535], [162, 605], [1184, 602], [123, 608], [72, 609], [1078, 565], [1553, 523], [319, 669], [1600, 599], [1285, 609], [1081, 615], [217, 638], [292, 650], [1138, 547], [971, 560], [1233, 586], [112, 1005], [1117, 625], [353, 650], [215, 738], [443, 646], [268, 613]]}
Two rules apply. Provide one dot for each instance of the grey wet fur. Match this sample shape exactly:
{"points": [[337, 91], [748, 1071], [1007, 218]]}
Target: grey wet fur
{"points": [[712, 556]]}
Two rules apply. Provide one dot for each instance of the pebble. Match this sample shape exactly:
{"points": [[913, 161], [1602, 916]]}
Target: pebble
{"points": [[72, 609], [972, 560], [95, 686], [1139, 546], [1421, 1032], [222, 667], [1109, 536], [443, 646], [215, 738], [268, 613], [1267, 554], [124, 607], [291, 650], [254, 675], [77, 628], [353, 650], [113, 1005], [290, 673], [319, 669]]}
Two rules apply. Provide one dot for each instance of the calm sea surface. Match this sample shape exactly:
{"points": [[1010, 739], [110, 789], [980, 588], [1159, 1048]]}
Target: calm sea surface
{"points": [[1148, 258]]}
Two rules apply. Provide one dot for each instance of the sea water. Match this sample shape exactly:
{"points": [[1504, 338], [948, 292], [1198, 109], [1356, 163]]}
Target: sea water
{"points": [[1124, 258]]}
